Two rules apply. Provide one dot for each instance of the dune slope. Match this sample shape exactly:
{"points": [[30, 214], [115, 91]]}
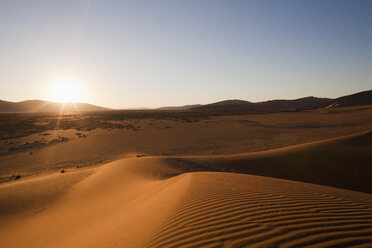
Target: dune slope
{"points": [[118, 205], [232, 210], [166, 202], [344, 162]]}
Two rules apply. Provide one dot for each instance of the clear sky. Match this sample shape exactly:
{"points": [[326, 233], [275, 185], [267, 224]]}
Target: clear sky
{"points": [[126, 54]]}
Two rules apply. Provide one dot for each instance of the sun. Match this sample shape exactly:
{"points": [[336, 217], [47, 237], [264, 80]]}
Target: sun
{"points": [[66, 90]]}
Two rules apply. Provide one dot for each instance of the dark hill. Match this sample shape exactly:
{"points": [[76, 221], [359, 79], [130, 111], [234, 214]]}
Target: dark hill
{"points": [[36, 106], [362, 98]]}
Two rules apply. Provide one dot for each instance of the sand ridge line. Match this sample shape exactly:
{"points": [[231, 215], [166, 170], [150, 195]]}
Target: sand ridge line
{"points": [[342, 162], [110, 207]]}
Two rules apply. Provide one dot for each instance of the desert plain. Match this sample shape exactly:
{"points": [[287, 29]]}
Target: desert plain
{"points": [[181, 178]]}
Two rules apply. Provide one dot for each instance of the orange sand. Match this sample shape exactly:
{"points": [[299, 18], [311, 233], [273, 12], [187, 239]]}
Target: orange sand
{"points": [[156, 202]]}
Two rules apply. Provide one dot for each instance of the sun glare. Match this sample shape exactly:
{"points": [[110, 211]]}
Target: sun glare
{"points": [[66, 91]]}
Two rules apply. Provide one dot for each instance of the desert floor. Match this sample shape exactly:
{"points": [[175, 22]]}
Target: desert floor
{"points": [[34, 144], [175, 179]]}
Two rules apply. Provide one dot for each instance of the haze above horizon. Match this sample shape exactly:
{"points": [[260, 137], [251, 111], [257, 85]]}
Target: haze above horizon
{"points": [[127, 54]]}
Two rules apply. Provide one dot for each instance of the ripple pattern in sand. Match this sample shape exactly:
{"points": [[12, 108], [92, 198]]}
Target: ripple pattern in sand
{"points": [[232, 210]]}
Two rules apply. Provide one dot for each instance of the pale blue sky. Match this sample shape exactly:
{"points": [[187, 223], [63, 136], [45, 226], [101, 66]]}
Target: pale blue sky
{"points": [[129, 54]]}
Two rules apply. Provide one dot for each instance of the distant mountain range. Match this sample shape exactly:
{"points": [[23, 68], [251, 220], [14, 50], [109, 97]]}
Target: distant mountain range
{"points": [[361, 98], [37, 106]]}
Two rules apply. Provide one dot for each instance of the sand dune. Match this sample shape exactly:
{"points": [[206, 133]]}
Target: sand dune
{"points": [[232, 210], [120, 203], [343, 162], [165, 202]]}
